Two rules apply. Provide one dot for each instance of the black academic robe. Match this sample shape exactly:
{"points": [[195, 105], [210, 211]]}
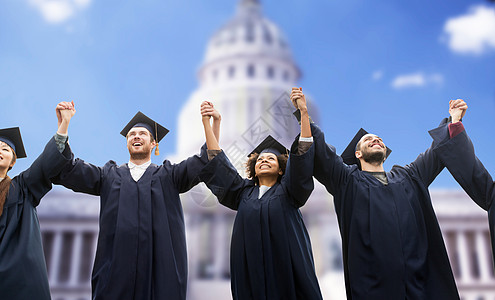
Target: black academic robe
{"points": [[460, 159], [141, 250], [270, 255], [23, 273], [391, 241]]}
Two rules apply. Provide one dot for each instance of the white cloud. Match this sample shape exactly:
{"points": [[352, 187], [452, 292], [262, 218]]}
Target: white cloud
{"points": [[377, 75], [418, 79], [58, 11], [473, 32]]}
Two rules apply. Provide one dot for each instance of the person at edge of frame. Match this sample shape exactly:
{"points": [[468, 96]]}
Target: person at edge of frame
{"points": [[391, 242], [23, 273]]}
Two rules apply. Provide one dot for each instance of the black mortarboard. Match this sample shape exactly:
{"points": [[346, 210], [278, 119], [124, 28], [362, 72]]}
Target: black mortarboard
{"points": [[141, 120], [270, 145], [12, 137], [349, 154]]}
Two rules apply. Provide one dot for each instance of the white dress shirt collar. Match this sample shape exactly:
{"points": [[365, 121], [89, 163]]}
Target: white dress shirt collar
{"points": [[138, 170]]}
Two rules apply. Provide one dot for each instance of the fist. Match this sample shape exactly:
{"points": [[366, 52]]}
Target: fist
{"points": [[208, 110], [298, 99], [65, 111], [457, 109]]}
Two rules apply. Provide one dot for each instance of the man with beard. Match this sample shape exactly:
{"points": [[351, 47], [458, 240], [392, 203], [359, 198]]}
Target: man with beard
{"points": [[391, 241], [141, 251]]}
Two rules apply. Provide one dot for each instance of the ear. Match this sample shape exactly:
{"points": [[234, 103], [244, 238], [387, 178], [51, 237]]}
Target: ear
{"points": [[280, 172], [358, 154]]}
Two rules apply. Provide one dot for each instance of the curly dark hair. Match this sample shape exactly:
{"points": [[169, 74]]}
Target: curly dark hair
{"points": [[251, 166]]}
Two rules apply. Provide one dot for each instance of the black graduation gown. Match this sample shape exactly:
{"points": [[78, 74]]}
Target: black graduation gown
{"points": [[270, 256], [391, 241], [141, 251], [460, 159], [23, 274]]}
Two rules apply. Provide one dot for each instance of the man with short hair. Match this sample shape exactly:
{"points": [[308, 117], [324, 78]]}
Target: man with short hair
{"points": [[141, 251], [391, 241]]}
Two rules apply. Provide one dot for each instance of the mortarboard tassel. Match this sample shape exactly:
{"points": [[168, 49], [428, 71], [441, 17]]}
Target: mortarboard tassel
{"points": [[157, 151]]}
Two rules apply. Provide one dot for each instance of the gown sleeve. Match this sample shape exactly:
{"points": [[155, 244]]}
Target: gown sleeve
{"points": [[459, 157], [427, 165], [298, 177], [48, 165], [185, 174], [329, 168], [81, 176], [224, 181]]}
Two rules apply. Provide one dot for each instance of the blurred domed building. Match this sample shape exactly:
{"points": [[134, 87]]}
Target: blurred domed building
{"points": [[247, 72]]}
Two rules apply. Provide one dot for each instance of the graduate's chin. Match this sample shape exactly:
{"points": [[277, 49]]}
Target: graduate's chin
{"points": [[138, 154]]}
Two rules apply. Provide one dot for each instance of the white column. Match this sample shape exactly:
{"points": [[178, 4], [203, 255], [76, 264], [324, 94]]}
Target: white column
{"points": [[463, 252], [75, 259], [483, 259], [55, 261]]}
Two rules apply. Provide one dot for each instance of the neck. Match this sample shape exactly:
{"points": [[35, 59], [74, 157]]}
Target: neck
{"points": [[371, 167], [268, 181], [139, 161], [3, 172]]}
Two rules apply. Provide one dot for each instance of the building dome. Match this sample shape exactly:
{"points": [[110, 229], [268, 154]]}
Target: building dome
{"points": [[247, 72], [248, 35]]}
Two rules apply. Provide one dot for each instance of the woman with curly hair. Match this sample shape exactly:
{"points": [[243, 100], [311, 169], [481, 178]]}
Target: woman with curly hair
{"points": [[271, 256]]}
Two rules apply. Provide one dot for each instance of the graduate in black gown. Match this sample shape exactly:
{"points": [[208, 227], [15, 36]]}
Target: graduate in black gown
{"points": [[23, 274], [270, 256], [460, 159], [141, 250], [391, 241]]}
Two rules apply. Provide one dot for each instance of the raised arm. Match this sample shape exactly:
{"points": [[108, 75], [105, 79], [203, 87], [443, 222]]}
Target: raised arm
{"points": [[207, 112], [53, 158], [329, 169], [428, 164], [298, 177], [219, 175], [459, 157]]}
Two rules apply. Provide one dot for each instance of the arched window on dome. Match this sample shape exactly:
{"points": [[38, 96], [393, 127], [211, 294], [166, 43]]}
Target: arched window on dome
{"points": [[250, 71], [286, 75], [267, 37], [231, 71], [270, 72], [249, 32]]}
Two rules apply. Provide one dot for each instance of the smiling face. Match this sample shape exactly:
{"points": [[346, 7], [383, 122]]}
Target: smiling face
{"points": [[7, 158], [267, 165], [371, 149], [140, 143]]}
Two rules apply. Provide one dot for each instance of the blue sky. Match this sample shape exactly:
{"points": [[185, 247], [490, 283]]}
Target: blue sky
{"points": [[388, 66]]}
